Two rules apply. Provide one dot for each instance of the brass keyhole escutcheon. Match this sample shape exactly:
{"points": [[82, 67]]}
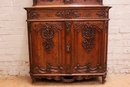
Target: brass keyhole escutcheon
{"points": [[68, 46]]}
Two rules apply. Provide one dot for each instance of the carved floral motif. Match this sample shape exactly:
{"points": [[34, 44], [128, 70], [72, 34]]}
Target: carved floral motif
{"points": [[47, 32], [88, 44], [101, 14], [68, 26], [34, 15], [88, 33], [67, 14], [48, 45]]}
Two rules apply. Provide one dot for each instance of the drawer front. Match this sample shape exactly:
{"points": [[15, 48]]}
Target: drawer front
{"points": [[67, 14]]}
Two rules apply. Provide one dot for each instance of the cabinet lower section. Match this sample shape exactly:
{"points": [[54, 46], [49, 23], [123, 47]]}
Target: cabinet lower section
{"points": [[68, 43], [68, 77]]}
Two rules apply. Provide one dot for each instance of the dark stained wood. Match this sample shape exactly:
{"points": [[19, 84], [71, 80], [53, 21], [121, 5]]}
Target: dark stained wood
{"points": [[75, 2], [68, 39]]}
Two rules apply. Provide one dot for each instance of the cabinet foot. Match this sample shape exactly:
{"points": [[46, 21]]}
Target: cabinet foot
{"points": [[103, 79], [33, 79]]}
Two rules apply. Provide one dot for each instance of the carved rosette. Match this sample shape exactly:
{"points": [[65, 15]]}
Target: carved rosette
{"points": [[101, 14], [88, 33], [68, 14], [34, 15], [48, 34]]}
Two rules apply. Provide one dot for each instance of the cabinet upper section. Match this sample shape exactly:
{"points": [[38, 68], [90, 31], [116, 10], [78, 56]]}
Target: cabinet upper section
{"points": [[60, 2]]}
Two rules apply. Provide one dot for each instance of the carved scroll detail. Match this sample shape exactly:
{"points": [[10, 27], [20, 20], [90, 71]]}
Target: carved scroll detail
{"points": [[68, 14], [87, 68], [49, 69], [60, 14]]}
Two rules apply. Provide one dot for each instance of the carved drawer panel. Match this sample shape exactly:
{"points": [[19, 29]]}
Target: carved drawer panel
{"points": [[68, 14]]}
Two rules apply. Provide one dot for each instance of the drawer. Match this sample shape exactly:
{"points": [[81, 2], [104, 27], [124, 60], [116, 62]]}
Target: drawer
{"points": [[67, 14]]}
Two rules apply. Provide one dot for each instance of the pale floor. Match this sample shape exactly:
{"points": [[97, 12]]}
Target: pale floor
{"points": [[111, 81]]}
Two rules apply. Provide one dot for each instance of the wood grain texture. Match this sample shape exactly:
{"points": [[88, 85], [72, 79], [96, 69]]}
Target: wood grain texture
{"points": [[68, 42]]}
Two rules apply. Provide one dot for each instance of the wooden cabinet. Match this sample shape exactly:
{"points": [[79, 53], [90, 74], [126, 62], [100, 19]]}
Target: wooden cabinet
{"points": [[67, 42]]}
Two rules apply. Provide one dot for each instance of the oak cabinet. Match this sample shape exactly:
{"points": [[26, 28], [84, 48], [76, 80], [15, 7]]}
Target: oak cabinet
{"points": [[67, 42]]}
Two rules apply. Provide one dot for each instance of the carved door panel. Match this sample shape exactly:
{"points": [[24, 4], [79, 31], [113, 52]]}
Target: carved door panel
{"points": [[88, 47], [47, 47]]}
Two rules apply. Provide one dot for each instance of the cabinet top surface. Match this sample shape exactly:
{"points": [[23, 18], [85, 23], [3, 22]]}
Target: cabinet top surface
{"points": [[57, 2], [68, 6]]}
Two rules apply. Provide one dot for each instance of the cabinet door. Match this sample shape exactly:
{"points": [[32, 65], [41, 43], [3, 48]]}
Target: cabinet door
{"points": [[47, 45], [89, 47]]}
